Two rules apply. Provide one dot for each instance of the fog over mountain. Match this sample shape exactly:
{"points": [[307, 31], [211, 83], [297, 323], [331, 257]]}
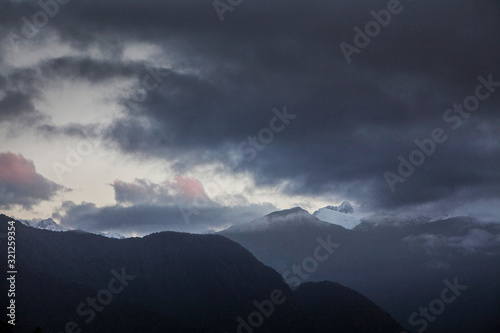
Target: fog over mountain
{"points": [[399, 267], [169, 282], [50, 224]]}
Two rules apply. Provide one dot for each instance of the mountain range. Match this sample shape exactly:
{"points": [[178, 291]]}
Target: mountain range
{"points": [[343, 215], [51, 225], [169, 282], [401, 267], [333, 278]]}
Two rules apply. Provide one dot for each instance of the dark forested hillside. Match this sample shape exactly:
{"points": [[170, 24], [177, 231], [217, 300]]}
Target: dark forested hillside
{"points": [[163, 282], [399, 267]]}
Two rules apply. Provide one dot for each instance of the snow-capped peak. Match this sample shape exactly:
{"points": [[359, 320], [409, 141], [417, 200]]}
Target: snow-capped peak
{"points": [[51, 225], [287, 212], [343, 215], [110, 235], [29, 223], [47, 224], [345, 207], [285, 218]]}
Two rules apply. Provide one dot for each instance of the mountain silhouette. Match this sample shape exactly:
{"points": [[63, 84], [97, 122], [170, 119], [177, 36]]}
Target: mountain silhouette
{"points": [[164, 282], [401, 267]]}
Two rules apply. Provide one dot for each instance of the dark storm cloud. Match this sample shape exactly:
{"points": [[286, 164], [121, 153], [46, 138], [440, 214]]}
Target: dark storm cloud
{"points": [[86, 68], [353, 121], [17, 91], [181, 190], [21, 185], [179, 204], [14, 105], [74, 130]]}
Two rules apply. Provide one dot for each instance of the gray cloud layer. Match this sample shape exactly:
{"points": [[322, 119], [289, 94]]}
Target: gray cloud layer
{"points": [[353, 120], [21, 185], [147, 218]]}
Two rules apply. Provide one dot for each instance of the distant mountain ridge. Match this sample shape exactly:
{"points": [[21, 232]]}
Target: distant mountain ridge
{"points": [[51, 225], [400, 266], [344, 207], [286, 218], [176, 283], [343, 215], [47, 224]]}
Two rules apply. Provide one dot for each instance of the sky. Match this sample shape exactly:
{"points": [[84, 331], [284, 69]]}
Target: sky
{"points": [[143, 116]]}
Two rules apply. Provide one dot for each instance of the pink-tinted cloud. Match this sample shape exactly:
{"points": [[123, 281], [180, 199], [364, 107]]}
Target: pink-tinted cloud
{"points": [[20, 184], [169, 192], [16, 169], [190, 187]]}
